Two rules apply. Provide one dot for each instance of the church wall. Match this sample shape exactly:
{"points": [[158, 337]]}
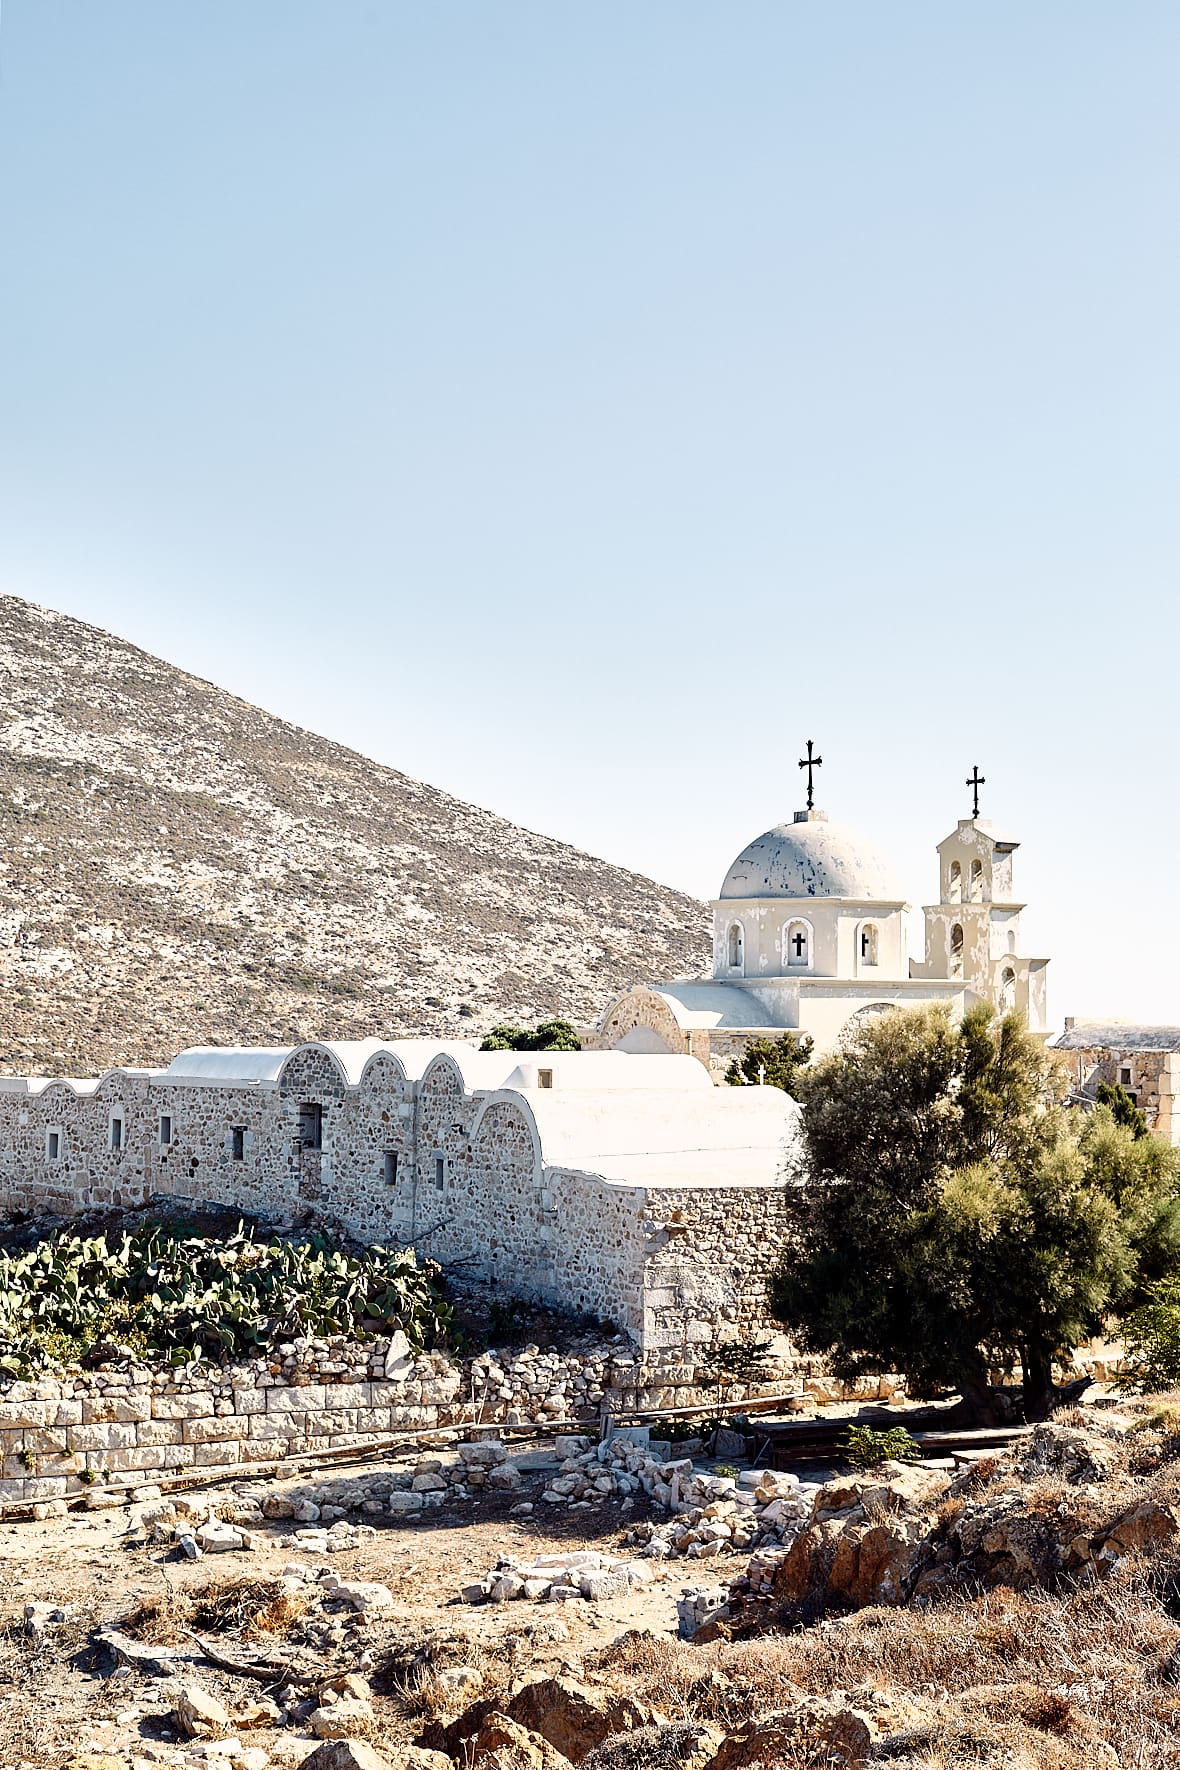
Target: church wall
{"points": [[707, 1265], [560, 1236]]}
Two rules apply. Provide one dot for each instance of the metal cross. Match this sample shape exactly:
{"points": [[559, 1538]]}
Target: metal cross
{"points": [[810, 763], [976, 781]]}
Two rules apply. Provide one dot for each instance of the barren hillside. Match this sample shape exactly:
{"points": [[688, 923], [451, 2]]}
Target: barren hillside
{"points": [[180, 867]]}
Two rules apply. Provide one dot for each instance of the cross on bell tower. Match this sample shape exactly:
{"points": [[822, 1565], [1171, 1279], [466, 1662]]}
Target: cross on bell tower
{"points": [[976, 781], [810, 762]]}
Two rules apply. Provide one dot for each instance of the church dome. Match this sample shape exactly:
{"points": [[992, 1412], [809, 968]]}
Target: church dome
{"points": [[811, 858]]}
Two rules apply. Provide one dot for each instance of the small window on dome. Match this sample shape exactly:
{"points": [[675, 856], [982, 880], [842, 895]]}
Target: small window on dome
{"points": [[735, 946], [868, 944]]}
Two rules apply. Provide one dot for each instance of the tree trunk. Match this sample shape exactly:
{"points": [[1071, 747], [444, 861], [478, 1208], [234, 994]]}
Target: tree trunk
{"points": [[1037, 1365], [981, 1405]]}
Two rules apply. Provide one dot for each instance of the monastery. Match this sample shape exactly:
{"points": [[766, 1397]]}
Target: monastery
{"points": [[617, 1181], [809, 935]]}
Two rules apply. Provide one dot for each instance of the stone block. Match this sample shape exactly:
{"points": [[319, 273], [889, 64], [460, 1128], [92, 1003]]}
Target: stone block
{"points": [[305, 1398], [341, 1397], [160, 1432], [67, 1413], [210, 1456], [118, 1435], [26, 1413], [100, 1410], [182, 1407], [277, 1428], [332, 1425], [211, 1430], [249, 1401], [46, 1487], [149, 1456]]}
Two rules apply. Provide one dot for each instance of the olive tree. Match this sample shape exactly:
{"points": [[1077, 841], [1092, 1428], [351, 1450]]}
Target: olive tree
{"points": [[949, 1216]]}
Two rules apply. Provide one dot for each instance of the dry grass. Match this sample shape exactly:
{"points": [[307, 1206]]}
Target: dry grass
{"points": [[1041, 1679]]}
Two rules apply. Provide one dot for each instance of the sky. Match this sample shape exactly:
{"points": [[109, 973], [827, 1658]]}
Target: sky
{"points": [[580, 407]]}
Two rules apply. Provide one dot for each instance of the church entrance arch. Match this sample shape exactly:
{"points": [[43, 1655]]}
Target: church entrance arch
{"points": [[644, 1041]]}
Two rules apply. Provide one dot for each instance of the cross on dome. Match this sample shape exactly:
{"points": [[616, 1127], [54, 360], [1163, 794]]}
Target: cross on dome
{"points": [[810, 763]]}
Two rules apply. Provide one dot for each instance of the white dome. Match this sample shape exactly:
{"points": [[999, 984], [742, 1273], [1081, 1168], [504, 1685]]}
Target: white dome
{"points": [[811, 858]]}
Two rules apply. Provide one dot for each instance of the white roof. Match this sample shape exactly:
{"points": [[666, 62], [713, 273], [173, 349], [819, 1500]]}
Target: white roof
{"points": [[600, 1071], [718, 1137], [231, 1063], [811, 858], [715, 1005], [415, 1055]]}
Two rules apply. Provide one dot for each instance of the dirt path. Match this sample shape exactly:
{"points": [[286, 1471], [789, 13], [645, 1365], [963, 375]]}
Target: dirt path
{"points": [[60, 1695]]}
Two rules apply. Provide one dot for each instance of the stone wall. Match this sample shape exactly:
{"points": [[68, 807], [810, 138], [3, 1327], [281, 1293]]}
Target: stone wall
{"points": [[76, 1432]]}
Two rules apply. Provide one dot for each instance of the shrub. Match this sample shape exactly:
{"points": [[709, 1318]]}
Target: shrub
{"points": [[1151, 1335], [865, 1448]]}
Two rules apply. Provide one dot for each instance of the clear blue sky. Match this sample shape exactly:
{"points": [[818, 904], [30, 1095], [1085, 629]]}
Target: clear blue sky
{"points": [[579, 407]]}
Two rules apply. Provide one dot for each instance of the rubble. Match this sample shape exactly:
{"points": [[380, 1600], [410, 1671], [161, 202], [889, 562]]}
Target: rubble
{"points": [[583, 1574]]}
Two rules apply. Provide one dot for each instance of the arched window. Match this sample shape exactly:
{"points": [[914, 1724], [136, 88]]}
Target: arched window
{"points": [[797, 946], [1007, 990], [954, 889], [868, 944], [957, 950], [736, 946], [976, 881]]}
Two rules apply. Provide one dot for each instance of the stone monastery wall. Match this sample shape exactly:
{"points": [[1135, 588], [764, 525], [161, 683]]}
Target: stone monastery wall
{"points": [[409, 1149]]}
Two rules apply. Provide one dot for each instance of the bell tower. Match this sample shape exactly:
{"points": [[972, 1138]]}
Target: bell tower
{"points": [[973, 932]]}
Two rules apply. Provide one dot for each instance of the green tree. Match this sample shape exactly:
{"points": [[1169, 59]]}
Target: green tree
{"points": [[551, 1035], [950, 1217], [774, 1062], [1123, 1109]]}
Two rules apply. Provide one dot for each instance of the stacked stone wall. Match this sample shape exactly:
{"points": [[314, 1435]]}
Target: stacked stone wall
{"points": [[78, 1432]]}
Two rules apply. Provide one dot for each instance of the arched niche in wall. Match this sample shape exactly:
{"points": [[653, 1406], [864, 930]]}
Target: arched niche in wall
{"points": [[798, 944]]}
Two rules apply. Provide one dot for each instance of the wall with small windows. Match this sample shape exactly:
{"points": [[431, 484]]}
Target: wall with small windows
{"points": [[448, 1158]]}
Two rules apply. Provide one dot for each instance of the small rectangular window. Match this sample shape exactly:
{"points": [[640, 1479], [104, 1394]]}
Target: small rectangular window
{"points": [[389, 1167], [440, 1171], [116, 1132], [311, 1124], [53, 1145], [165, 1130], [544, 1078], [237, 1138], [1125, 1075]]}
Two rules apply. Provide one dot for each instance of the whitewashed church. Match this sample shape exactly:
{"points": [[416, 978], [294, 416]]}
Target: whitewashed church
{"points": [[809, 933]]}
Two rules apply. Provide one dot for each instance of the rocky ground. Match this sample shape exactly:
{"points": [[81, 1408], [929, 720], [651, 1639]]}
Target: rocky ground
{"points": [[623, 1610], [182, 868]]}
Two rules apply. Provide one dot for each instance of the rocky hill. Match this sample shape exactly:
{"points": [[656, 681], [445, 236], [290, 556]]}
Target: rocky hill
{"points": [[180, 867]]}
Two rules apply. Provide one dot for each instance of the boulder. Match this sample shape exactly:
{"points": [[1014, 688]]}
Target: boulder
{"points": [[354, 1754], [199, 1715], [845, 1737], [364, 1595], [682, 1743], [499, 1740], [1071, 1452], [1146, 1526], [342, 1720], [573, 1717]]}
